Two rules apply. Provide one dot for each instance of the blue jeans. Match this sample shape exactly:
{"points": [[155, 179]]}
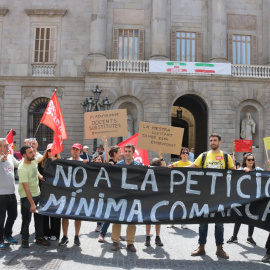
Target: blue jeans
{"points": [[219, 232], [104, 228]]}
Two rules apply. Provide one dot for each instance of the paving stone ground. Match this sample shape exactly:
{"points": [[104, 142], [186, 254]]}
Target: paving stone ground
{"points": [[178, 244]]}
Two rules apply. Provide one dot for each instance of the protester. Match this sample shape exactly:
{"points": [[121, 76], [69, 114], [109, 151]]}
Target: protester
{"points": [[76, 151], [30, 195], [8, 201], [129, 150], [248, 164], [51, 225], [191, 156], [215, 158], [183, 162], [99, 151], [157, 162], [114, 155], [237, 165], [85, 156]]}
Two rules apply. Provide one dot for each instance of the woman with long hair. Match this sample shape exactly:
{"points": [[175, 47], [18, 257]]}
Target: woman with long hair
{"points": [[51, 225]]}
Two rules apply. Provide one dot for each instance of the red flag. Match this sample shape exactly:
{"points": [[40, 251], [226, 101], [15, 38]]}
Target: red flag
{"points": [[140, 155], [53, 118], [9, 139]]}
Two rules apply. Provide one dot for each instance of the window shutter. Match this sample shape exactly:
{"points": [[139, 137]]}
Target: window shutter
{"points": [[173, 45], [141, 45], [115, 43], [230, 48], [52, 57], [198, 47], [254, 59]]}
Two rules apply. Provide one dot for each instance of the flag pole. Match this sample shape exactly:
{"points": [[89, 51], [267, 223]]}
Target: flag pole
{"points": [[37, 130]]}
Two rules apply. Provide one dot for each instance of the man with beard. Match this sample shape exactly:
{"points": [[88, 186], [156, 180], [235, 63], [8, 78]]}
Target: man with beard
{"points": [[30, 194], [217, 159]]}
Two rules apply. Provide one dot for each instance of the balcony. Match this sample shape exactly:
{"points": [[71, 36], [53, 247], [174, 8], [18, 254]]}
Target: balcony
{"points": [[43, 70], [142, 66]]}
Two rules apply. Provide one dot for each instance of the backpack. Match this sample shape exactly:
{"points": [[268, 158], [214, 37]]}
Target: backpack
{"points": [[225, 156]]}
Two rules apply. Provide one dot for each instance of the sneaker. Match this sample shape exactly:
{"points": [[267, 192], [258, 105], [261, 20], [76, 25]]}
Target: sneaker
{"points": [[63, 241], [158, 241], [42, 241], [10, 240], [98, 228], [53, 238], [25, 243], [47, 237], [266, 258], [114, 246], [170, 225], [2, 246], [147, 241], [198, 252], [122, 238], [101, 238], [184, 226], [251, 241], [233, 239], [77, 241], [222, 254], [131, 248]]}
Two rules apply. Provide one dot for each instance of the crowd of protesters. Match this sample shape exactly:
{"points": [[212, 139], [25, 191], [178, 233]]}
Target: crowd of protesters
{"points": [[30, 171]]}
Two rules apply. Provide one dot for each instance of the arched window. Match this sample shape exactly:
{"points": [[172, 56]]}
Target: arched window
{"points": [[44, 134]]}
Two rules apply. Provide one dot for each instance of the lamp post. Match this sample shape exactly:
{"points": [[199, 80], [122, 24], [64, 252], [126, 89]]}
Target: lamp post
{"points": [[91, 105]]}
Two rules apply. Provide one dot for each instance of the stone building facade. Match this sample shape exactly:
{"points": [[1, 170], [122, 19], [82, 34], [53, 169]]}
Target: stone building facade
{"points": [[74, 46]]}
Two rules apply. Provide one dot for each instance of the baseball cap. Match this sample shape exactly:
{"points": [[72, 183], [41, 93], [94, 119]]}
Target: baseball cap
{"points": [[77, 145], [85, 147], [49, 146]]}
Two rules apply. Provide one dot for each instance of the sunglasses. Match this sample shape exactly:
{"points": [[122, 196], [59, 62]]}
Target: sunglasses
{"points": [[250, 159], [49, 150], [185, 153]]}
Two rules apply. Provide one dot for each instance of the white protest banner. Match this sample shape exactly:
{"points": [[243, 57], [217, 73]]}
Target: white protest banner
{"points": [[190, 67]]}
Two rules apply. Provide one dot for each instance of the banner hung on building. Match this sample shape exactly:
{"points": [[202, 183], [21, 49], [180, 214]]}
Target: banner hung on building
{"points": [[190, 67], [143, 195]]}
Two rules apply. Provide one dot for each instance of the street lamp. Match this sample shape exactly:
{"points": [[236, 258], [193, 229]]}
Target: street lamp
{"points": [[91, 105]]}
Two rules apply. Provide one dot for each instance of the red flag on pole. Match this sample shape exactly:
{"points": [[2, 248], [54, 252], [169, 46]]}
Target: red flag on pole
{"points": [[9, 139], [140, 155], [53, 118]]}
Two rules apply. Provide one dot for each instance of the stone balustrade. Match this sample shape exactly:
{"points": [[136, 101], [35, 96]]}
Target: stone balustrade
{"points": [[139, 66], [43, 70], [128, 66]]}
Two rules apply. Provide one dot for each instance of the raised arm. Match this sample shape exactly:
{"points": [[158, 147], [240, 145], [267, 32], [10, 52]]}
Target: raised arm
{"points": [[106, 150]]}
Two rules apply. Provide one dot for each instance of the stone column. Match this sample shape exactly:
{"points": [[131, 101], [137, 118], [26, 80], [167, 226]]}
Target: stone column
{"points": [[159, 30], [96, 61], [219, 31]]}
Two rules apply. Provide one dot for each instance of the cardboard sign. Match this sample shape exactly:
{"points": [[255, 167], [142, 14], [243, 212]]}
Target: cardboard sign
{"points": [[110, 123], [156, 137], [243, 146], [267, 142]]}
